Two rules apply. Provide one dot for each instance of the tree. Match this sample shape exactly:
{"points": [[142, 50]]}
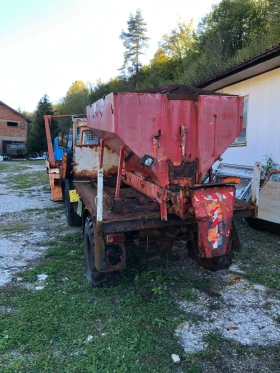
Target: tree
{"points": [[231, 26], [273, 16], [179, 42], [160, 71], [37, 141], [76, 100], [135, 42]]}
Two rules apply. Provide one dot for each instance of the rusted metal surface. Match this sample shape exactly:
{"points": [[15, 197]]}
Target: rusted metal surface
{"points": [[244, 209], [181, 131], [175, 89], [86, 162], [63, 166], [212, 123], [118, 185], [99, 248], [230, 180], [55, 184], [101, 154], [213, 208], [47, 120], [274, 172], [115, 252], [108, 256], [183, 174]]}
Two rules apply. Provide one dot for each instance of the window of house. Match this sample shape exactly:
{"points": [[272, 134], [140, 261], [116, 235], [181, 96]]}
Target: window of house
{"points": [[89, 138], [242, 138], [12, 124]]}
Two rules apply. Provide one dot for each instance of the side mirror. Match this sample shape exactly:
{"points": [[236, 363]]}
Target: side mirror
{"points": [[62, 140]]}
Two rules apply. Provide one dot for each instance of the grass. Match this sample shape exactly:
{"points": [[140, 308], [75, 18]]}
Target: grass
{"points": [[9, 167], [212, 339], [28, 180], [132, 325], [15, 228], [260, 257]]}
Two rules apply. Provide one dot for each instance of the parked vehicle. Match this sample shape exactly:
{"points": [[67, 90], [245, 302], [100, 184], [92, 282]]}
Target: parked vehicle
{"points": [[16, 150], [135, 174]]}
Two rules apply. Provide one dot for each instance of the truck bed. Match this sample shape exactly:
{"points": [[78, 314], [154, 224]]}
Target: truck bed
{"points": [[138, 211]]}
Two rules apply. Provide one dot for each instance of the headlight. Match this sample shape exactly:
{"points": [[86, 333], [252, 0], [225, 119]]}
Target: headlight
{"points": [[146, 160]]}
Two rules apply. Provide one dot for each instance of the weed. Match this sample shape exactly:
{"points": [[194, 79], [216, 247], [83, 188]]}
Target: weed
{"points": [[159, 290], [187, 295], [49, 329], [269, 165], [196, 282], [241, 349], [212, 339], [214, 307]]}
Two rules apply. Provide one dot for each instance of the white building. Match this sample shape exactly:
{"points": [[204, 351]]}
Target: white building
{"points": [[258, 80]]}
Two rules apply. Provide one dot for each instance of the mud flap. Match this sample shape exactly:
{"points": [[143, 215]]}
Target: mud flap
{"points": [[213, 208]]}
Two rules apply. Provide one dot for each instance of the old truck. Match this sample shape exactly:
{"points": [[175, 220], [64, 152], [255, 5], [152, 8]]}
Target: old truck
{"points": [[17, 150], [135, 174]]}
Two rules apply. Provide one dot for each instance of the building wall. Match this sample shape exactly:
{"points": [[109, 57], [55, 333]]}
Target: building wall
{"points": [[8, 133], [263, 121]]}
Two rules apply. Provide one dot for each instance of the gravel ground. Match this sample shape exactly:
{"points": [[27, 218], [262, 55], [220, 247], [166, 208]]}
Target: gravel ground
{"points": [[234, 315], [28, 218]]}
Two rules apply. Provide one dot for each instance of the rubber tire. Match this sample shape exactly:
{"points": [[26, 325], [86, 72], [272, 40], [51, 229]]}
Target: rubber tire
{"points": [[94, 277], [72, 218], [214, 264]]}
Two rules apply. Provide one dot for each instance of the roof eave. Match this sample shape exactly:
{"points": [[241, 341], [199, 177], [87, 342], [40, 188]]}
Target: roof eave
{"points": [[263, 62], [16, 112]]}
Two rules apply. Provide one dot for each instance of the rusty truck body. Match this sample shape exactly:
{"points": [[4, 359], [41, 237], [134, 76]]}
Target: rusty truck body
{"points": [[136, 172]]}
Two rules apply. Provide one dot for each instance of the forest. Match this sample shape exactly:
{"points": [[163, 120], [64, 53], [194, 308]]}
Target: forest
{"points": [[231, 32]]}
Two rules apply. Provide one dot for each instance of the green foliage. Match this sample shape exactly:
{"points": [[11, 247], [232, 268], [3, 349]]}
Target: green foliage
{"points": [[135, 42], [49, 329], [179, 42], [213, 339], [269, 166], [37, 141], [232, 31], [75, 102], [113, 85], [187, 295], [76, 99], [230, 26]]}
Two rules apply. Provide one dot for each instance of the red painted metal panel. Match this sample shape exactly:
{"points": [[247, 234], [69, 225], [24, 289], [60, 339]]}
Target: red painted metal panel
{"points": [[133, 120], [213, 208]]}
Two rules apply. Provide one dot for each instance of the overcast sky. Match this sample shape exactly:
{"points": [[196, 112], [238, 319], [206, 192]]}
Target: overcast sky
{"points": [[45, 45]]}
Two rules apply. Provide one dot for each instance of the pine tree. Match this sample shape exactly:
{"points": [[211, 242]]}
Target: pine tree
{"points": [[37, 141], [135, 42]]}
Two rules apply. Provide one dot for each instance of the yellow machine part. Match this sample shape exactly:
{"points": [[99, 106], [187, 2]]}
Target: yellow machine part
{"points": [[74, 196]]}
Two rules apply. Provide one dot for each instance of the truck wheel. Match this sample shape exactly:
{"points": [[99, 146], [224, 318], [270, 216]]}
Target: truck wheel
{"points": [[73, 219], [94, 277], [214, 264]]}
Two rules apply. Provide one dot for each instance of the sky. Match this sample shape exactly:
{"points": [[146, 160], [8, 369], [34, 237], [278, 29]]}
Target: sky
{"points": [[46, 45]]}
